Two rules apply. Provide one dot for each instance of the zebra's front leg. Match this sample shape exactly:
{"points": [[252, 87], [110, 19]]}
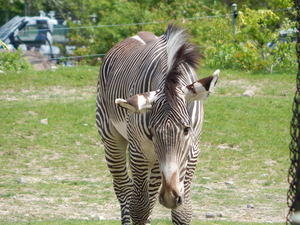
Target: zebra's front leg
{"points": [[115, 154], [140, 207], [183, 214], [154, 184]]}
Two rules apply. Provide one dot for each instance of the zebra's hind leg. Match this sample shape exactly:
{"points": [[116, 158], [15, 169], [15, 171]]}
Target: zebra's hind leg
{"points": [[115, 154]]}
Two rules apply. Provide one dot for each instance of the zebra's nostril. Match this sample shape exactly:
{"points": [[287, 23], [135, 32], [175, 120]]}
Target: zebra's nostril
{"points": [[178, 201], [161, 201]]}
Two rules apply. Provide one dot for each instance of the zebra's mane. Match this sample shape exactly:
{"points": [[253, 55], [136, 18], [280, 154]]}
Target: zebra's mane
{"points": [[179, 51]]}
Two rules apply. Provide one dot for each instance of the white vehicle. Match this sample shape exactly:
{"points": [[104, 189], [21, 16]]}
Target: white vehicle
{"points": [[36, 33]]}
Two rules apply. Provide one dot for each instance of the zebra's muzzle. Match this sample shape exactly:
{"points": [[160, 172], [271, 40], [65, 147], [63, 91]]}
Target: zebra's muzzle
{"points": [[170, 201], [171, 196]]}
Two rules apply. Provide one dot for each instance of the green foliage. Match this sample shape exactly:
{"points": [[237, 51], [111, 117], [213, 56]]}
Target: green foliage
{"points": [[258, 25], [249, 49], [256, 46], [259, 35], [3, 45], [258, 4], [13, 61]]}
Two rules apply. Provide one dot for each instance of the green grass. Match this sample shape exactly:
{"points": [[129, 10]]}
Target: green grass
{"points": [[64, 76], [112, 222], [57, 172]]}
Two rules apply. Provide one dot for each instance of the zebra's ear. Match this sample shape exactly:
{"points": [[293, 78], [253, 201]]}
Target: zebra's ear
{"points": [[138, 103], [200, 90]]}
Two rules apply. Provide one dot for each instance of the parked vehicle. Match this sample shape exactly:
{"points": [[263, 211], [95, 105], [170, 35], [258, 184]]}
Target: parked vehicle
{"points": [[34, 33]]}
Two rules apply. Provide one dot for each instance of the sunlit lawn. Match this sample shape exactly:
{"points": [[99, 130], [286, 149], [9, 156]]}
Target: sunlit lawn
{"points": [[55, 172]]}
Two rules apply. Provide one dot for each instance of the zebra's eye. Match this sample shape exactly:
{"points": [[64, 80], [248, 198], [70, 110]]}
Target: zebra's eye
{"points": [[186, 130]]}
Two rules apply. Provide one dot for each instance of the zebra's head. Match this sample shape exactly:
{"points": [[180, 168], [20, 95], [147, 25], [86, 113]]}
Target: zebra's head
{"points": [[172, 133], [170, 123]]}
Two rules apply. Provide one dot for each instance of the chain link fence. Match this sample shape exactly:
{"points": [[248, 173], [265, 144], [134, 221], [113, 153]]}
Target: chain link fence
{"points": [[293, 196]]}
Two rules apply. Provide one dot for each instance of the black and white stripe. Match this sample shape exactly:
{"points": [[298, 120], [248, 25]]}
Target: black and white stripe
{"points": [[164, 135]]}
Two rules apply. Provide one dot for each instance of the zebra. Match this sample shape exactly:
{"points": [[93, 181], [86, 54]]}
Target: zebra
{"points": [[149, 114]]}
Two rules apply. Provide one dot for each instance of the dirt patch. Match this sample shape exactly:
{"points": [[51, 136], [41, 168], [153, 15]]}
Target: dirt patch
{"points": [[237, 87], [41, 206], [244, 84], [229, 147], [244, 209], [47, 93]]}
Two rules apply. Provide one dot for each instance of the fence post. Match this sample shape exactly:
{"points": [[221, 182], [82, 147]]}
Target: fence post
{"points": [[234, 16]]}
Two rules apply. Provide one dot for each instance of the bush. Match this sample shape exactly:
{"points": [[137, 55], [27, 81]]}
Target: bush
{"points": [[13, 61], [256, 46]]}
